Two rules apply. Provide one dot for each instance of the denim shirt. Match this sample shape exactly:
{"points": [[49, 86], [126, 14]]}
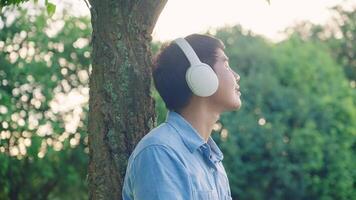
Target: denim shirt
{"points": [[174, 162]]}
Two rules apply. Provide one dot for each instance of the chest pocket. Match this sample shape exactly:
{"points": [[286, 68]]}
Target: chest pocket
{"points": [[202, 180], [204, 195], [202, 187]]}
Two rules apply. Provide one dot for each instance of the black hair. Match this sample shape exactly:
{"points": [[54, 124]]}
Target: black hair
{"points": [[170, 66]]}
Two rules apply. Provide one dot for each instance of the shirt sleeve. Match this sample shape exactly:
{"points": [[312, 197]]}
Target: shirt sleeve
{"points": [[160, 175]]}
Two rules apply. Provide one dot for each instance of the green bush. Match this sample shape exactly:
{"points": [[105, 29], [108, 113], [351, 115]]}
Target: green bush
{"points": [[294, 137]]}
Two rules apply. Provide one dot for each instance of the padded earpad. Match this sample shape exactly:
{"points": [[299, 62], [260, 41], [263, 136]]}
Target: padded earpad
{"points": [[202, 80]]}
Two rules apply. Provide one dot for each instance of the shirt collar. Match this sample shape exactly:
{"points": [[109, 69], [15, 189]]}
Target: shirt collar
{"points": [[217, 152], [190, 135]]}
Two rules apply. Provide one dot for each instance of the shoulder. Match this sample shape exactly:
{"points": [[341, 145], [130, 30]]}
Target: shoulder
{"points": [[162, 138]]}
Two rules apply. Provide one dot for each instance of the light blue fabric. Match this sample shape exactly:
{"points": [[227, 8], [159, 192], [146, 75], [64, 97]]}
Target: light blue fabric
{"points": [[173, 162]]}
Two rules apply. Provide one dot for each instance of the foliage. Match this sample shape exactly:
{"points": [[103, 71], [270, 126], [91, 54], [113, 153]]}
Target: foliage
{"points": [[294, 137], [50, 7], [11, 2], [339, 35], [346, 48], [43, 106]]}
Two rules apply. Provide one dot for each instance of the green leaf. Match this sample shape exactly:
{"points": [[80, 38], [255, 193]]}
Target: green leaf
{"points": [[51, 9]]}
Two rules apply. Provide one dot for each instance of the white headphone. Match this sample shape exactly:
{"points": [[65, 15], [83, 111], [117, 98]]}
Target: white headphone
{"points": [[200, 77]]}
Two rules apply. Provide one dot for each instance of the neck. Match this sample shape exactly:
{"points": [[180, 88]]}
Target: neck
{"points": [[201, 117]]}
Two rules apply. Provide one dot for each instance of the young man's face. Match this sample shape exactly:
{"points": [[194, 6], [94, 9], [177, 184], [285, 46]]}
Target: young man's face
{"points": [[227, 97]]}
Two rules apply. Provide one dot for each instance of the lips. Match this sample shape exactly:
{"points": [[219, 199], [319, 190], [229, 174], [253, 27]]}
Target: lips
{"points": [[237, 90]]}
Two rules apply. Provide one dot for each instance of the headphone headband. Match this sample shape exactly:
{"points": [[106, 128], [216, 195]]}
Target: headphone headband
{"points": [[188, 51]]}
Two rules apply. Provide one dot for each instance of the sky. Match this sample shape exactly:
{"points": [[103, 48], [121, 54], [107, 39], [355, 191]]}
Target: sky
{"points": [[183, 17]]}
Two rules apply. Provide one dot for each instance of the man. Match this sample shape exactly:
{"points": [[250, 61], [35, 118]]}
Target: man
{"points": [[178, 159]]}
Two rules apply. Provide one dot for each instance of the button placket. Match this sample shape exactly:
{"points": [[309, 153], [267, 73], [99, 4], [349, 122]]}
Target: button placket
{"points": [[208, 157]]}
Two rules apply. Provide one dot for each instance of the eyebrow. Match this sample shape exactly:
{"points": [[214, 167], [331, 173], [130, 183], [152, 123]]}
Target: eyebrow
{"points": [[223, 58]]}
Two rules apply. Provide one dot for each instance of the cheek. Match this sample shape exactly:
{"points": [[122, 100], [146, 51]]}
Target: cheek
{"points": [[226, 82], [226, 87]]}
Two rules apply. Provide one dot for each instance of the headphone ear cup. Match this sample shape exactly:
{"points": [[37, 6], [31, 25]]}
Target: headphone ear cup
{"points": [[202, 80]]}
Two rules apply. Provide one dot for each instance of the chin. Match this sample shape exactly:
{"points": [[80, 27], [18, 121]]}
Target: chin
{"points": [[237, 106], [233, 106]]}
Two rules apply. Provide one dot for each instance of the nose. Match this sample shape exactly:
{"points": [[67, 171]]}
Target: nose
{"points": [[237, 77]]}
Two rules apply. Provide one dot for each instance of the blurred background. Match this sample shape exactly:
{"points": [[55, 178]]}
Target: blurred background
{"points": [[293, 138]]}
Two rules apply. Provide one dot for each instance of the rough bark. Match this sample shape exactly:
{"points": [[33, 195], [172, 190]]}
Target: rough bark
{"points": [[121, 109]]}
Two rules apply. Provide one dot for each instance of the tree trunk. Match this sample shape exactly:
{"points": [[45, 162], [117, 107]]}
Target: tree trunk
{"points": [[121, 109]]}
